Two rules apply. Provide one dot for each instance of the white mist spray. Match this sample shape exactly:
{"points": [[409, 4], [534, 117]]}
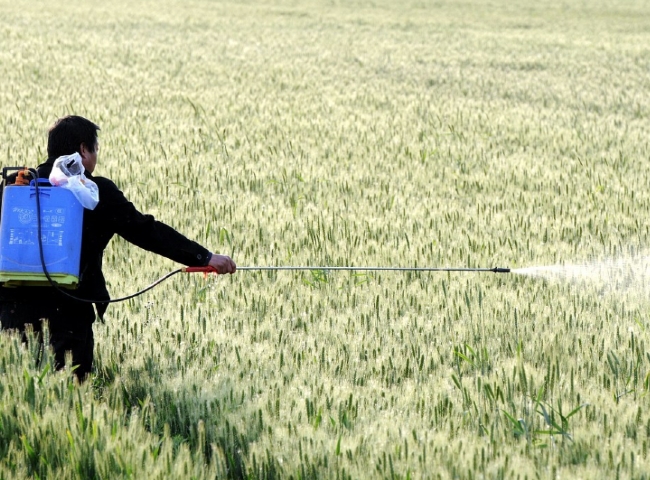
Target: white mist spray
{"points": [[625, 275]]}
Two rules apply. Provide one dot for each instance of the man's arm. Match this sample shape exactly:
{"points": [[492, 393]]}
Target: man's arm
{"points": [[148, 233]]}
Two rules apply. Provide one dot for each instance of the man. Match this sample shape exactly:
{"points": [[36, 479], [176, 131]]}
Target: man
{"points": [[70, 321]]}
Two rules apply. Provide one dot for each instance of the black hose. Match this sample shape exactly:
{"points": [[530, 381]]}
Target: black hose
{"points": [[62, 291]]}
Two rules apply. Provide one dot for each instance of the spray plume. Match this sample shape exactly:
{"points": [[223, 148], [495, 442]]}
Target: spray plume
{"points": [[625, 275]]}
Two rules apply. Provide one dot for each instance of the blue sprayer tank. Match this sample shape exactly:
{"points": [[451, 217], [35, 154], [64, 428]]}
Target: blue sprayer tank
{"points": [[61, 228]]}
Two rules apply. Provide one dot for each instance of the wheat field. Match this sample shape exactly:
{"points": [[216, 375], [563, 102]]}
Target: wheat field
{"points": [[360, 133]]}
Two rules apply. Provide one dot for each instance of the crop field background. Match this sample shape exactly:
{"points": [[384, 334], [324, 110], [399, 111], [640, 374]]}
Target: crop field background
{"points": [[368, 133]]}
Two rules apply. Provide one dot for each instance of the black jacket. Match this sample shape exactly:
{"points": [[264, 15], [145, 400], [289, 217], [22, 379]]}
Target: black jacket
{"points": [[114, 214]]}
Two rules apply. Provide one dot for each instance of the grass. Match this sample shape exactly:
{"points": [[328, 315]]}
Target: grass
{"points": [[467, 134]]}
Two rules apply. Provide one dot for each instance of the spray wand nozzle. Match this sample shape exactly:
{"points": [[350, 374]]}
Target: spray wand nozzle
{"points": [[500, 270]]}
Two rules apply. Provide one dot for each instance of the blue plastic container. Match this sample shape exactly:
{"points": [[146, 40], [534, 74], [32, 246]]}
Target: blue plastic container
{"points": [[61, 229]]}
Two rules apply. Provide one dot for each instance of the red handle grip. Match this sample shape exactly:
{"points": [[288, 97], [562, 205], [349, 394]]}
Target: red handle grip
{"points": [[206, 269]]}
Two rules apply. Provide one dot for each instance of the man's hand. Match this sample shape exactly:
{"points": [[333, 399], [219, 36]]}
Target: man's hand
{"points": [[222, 264]]}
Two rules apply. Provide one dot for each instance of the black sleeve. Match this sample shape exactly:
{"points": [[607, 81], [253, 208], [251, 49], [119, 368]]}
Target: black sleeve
{"points": [[144, 230]]}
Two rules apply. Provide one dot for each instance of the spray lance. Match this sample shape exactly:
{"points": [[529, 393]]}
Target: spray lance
{"points": [[208, 269], [358, 269]]}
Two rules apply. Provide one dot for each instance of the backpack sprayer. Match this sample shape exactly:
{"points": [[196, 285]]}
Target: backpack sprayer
{"points": [[35, 216], [53, 221]]}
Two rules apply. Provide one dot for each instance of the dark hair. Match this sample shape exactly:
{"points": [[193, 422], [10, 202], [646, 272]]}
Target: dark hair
{"points": [[68, 133]]}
